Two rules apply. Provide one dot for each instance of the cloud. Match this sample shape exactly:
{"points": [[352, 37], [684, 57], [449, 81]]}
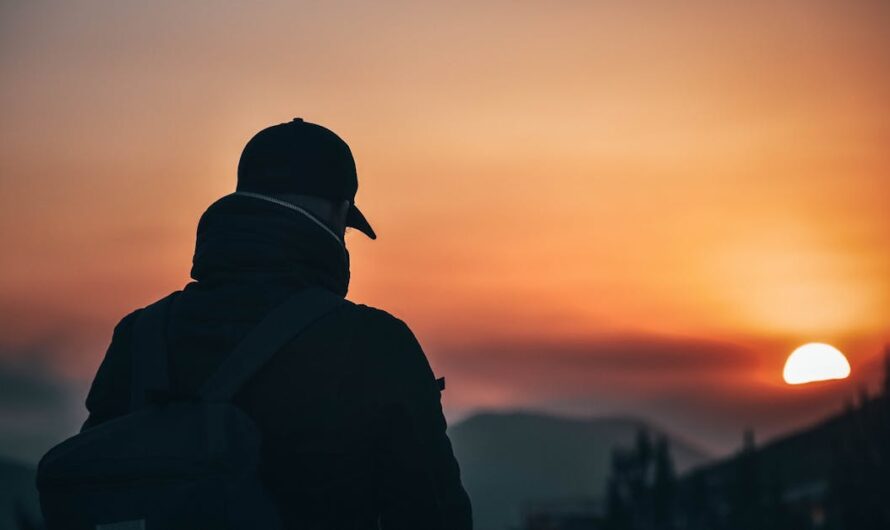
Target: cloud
{"points": [[570, 367], [629, 353]]}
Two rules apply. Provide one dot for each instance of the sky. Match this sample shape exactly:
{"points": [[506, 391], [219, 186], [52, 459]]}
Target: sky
{"points": [[587, 208]]}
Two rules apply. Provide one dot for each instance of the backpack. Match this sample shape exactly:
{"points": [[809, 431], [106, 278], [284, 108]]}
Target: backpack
{"points": [[175, 463]]}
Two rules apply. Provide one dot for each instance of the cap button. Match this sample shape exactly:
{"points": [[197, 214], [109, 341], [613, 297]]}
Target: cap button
{"points": [[298, 120]]}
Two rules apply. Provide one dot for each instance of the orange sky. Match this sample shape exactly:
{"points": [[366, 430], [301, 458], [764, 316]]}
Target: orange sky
{"points": [[556, 186]]}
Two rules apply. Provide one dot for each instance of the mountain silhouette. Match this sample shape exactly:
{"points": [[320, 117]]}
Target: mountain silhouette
{"points": [[512, 458]]}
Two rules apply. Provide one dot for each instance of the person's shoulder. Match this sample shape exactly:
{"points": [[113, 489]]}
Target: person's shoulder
{"points": [[125, 325], [378, 326], [392, 351], [376, 319]]}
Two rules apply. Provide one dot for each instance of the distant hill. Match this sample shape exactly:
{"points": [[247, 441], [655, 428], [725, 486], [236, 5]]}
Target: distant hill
{"points": [[508, 459], [19, 508]]}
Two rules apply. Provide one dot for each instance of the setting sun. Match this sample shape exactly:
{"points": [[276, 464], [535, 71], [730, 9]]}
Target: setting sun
{"points": [[815, 362]]}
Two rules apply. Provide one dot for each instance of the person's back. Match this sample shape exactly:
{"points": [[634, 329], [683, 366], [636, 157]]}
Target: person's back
{"points": [[352, 428]]}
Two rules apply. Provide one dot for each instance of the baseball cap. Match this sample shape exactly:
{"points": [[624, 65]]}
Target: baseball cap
{"points": [[302, 158]]}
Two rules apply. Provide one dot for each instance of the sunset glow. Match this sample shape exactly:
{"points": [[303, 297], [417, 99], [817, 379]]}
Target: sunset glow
{"points": [[584, 207]]}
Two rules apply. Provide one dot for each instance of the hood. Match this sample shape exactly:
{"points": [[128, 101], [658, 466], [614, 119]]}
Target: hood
{"points": [[244, 238]]}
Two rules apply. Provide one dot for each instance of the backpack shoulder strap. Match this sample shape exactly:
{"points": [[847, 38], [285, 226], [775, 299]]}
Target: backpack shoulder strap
{"points": [[284, 323], [149, 353]]}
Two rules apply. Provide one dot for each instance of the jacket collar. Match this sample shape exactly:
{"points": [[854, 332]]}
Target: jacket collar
{"points": [[246, 236], [290, 206]]}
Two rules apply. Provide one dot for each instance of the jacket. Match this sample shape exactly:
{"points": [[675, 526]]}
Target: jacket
{"points": [[349, 410]]}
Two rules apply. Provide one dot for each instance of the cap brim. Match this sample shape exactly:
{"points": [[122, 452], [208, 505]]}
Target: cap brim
{"points": [[355, 219]]}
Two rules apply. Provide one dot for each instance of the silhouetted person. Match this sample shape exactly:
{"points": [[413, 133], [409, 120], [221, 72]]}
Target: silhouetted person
{"points": [[353, 435]]}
